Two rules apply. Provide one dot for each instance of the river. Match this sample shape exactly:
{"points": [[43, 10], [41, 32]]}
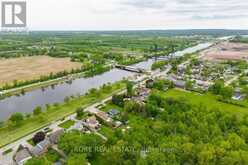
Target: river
{"points": [[50, 95]]}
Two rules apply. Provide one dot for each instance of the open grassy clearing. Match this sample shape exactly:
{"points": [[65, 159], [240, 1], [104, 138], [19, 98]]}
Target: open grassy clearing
{"points": [[110, 106], [9, 133], [208, 100], [67, 124], [29, 68]]}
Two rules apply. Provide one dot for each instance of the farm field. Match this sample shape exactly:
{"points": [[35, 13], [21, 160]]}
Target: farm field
{"points": [[28, 68], [208, 100], [226, 51]]}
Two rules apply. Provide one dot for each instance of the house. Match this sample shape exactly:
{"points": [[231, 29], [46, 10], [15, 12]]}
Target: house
{"points": [[41, 147], [104, 118], [142, 94], [54, 136], [113, 112], [22, 155], [181, 69], [237, 95], [77, 126], [91, 123]]}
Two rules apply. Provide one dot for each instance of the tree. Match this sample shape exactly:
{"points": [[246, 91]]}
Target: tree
{"points": [[151, 110], [135, 107], [37, 111], [118, 100], [161, 84], [16, 118], [129, 86], [226, 92], [38, 161], [216, 88], [38, 137], [80, 113], [189, 85], [76, 142], [77, 159]]}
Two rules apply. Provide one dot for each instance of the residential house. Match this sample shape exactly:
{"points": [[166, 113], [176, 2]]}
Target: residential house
{"points": [[113, 113], [176, 82], [41, 147], [237, 95], [180, 84], [91, 123], [104, 118], [22, 155], [78, 126], [54, 136], [142, 94]]}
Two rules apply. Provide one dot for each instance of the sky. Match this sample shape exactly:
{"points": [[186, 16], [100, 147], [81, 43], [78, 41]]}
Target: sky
{"points": [[136, 14]]}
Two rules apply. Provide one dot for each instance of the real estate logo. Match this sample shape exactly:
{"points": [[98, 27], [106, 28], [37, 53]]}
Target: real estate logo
{"points": [[14, 14]]}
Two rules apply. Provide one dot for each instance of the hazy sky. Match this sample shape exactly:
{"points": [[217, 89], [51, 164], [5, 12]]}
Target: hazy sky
{"points": [[136, 14]]}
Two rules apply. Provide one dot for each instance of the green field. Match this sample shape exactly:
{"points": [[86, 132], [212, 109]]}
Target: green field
{"points": [[208, 100], [67, 124], [10, 133]]}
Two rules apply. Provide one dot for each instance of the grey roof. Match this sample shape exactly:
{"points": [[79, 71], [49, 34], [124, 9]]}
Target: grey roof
{"points": [[22, 155], [41, 147], [54, 136], [178, 83], [113, 112]]}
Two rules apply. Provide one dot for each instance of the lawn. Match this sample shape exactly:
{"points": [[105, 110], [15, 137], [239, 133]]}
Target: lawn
{"points": [[67, 124], [30, 141], [107, 131], [110, 106], [9, 133], [209, 100]]}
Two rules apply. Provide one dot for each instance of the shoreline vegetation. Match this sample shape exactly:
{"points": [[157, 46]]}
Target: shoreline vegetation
{"points": [[26, 86], [22, 125]]}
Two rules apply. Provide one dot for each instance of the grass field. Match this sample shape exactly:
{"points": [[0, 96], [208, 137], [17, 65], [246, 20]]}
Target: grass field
{"points": [[67, 124], [9, 133], [209, 100], [29, 68]]}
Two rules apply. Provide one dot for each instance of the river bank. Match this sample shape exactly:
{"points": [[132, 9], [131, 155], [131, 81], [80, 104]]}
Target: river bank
{"points": [[79, 86], [10, 133]]}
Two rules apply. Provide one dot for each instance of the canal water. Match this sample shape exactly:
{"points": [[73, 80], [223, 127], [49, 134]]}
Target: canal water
{"points": [[50, 95]]}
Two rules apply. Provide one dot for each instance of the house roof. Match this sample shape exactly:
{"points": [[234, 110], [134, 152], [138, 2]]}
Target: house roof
{"points": [[113, 112], [92, 120], [54, 137], [103, 116], [179, 83], [22, 155], [41, 147]]}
